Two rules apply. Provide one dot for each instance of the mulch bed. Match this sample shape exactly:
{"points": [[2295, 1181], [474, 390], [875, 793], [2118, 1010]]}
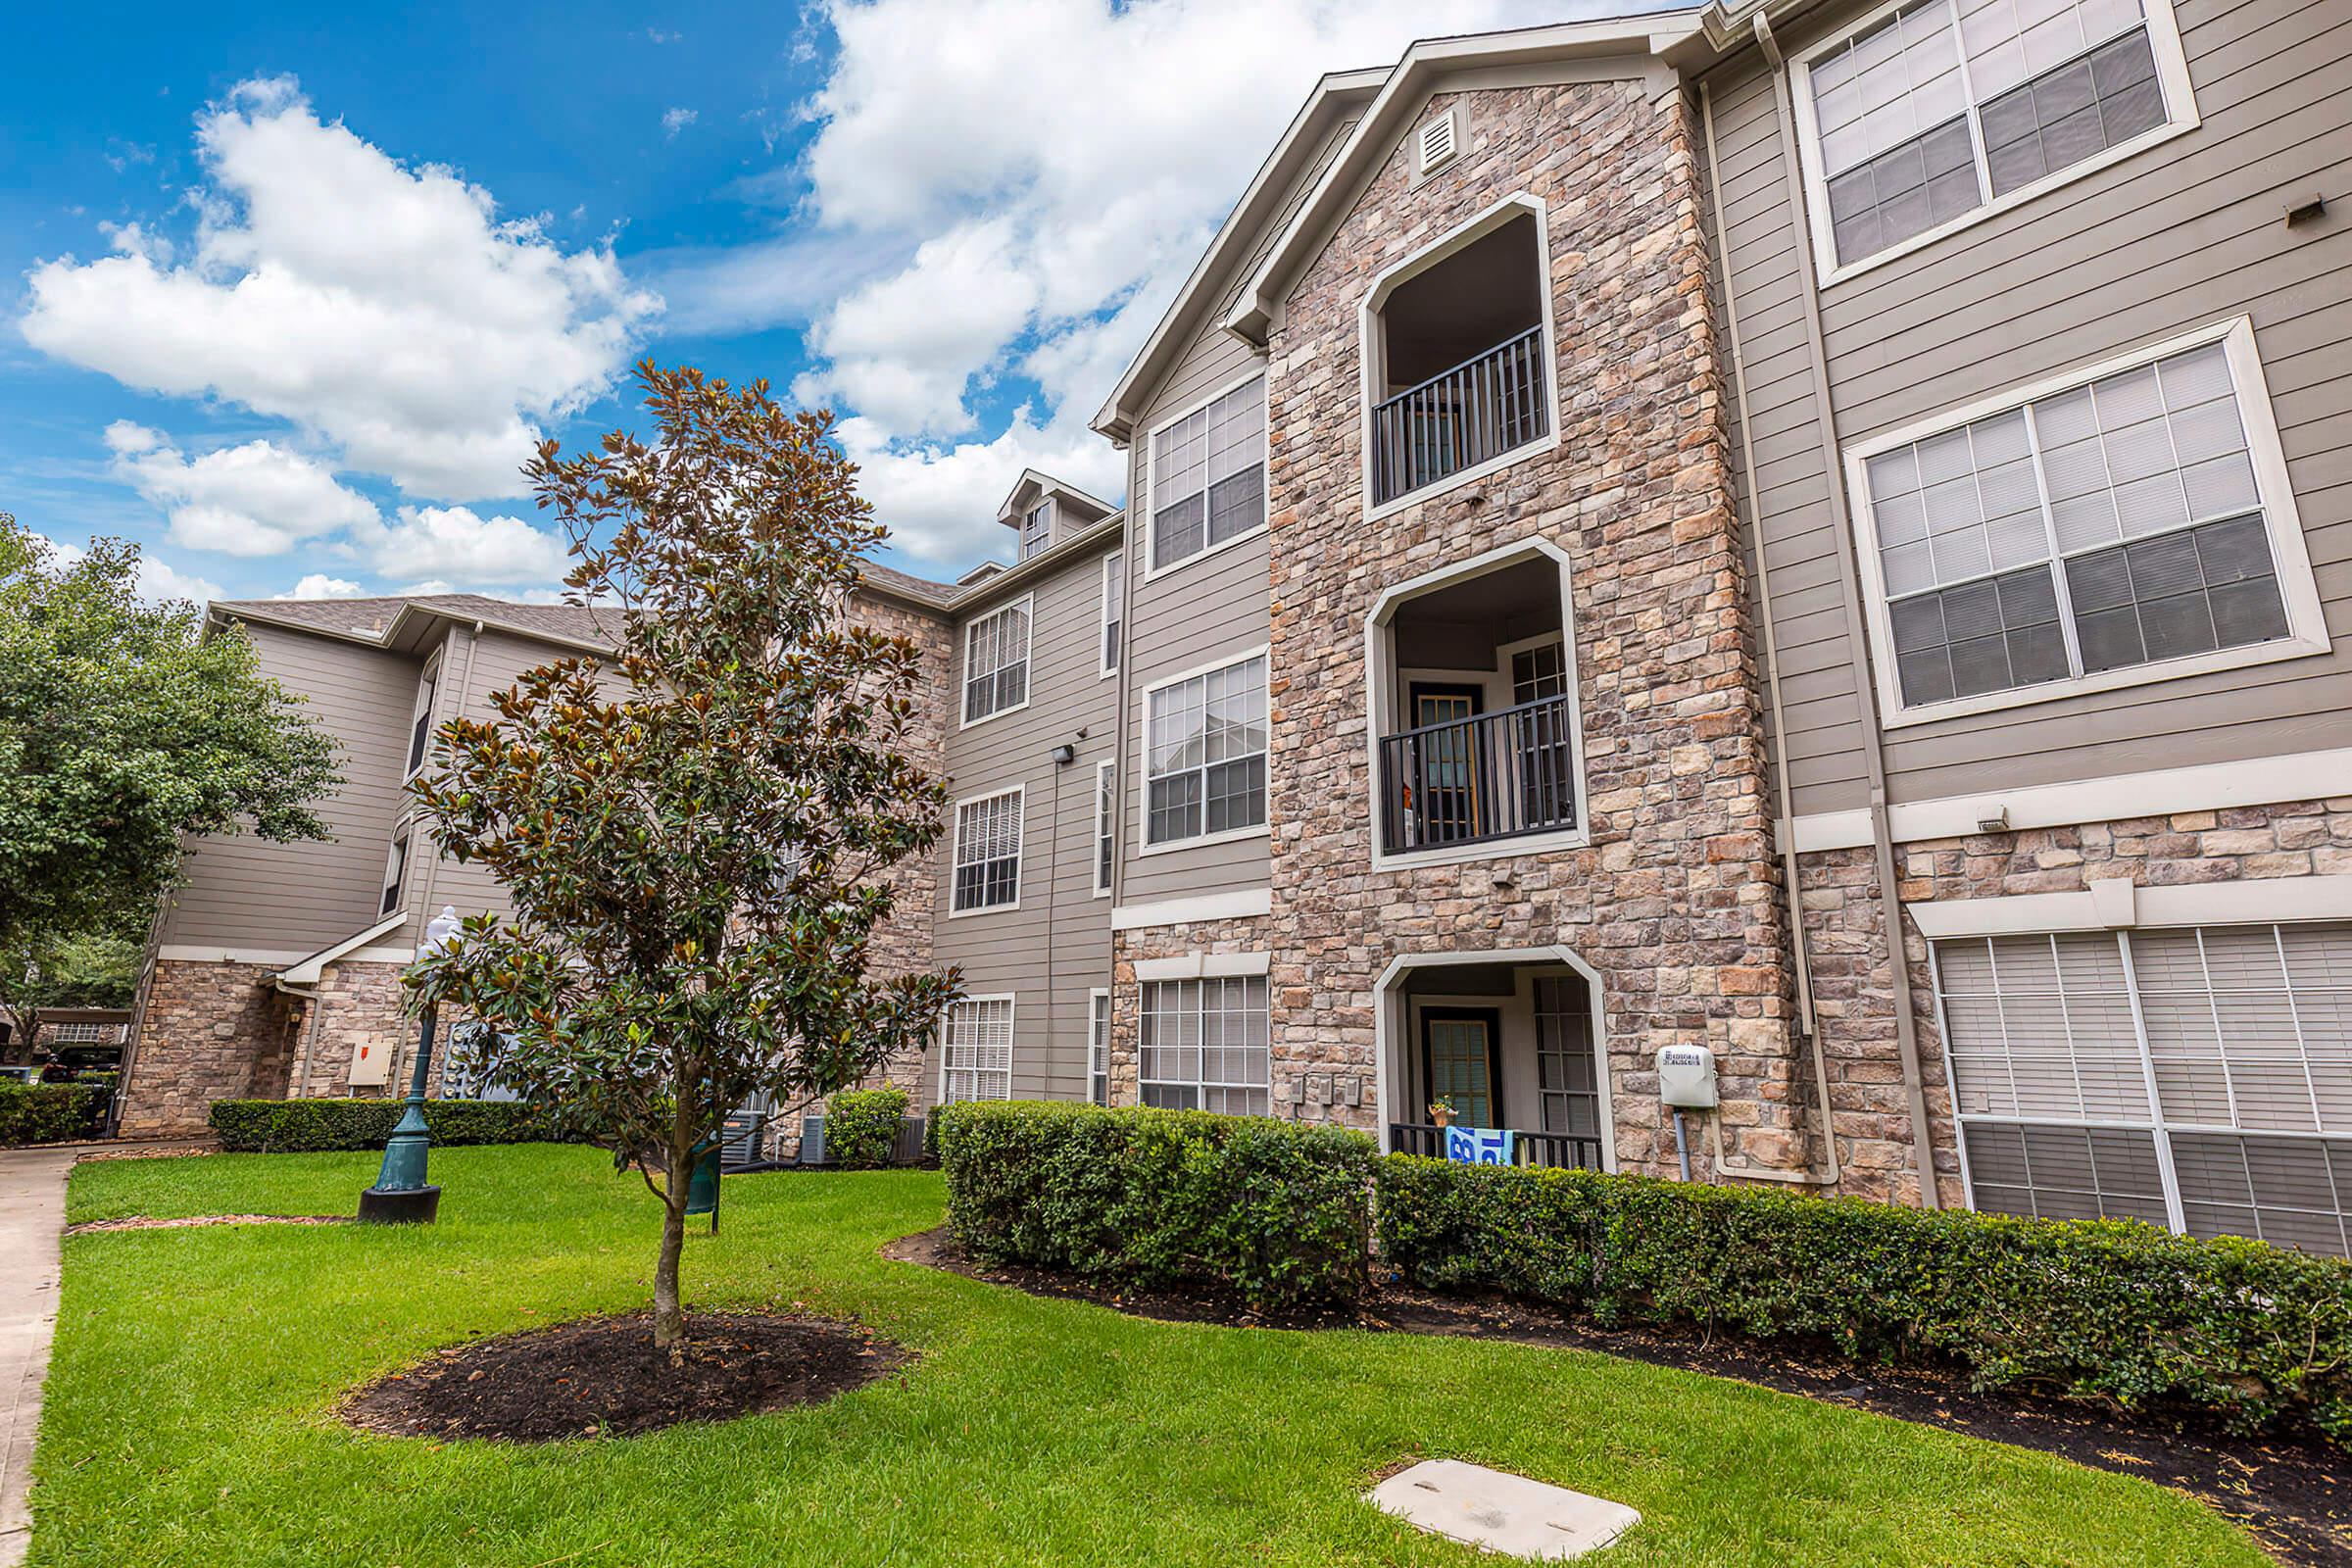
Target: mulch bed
{"points": [[602, 1377], [2295, 1497], [140, 1222]]}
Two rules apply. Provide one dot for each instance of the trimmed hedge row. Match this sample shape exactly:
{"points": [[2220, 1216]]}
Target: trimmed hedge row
{"points": [[1273, 1211], [312, 1126], [861, 1127], [2105, 1309], [49, 1114]]}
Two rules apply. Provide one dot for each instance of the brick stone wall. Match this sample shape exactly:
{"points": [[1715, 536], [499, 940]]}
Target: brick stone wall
{"points": [[1675, 901], [360, 1005], [208, 1031], [1193, 937], [1854, 1000]]}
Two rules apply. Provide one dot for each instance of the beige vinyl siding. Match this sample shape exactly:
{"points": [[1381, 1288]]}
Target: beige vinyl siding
{"points": [[1051, 950], [2188, 232], [244, 892]]}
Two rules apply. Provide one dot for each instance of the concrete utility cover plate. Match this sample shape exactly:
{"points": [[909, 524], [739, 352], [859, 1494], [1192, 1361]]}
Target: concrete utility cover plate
{"points": [[1501, 1511]]}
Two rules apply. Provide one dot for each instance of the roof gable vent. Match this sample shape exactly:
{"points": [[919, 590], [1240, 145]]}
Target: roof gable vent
{"points": [[1434, 143]]}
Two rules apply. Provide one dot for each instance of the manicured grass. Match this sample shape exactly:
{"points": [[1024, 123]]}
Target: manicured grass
{"points": [[187, 1409]]}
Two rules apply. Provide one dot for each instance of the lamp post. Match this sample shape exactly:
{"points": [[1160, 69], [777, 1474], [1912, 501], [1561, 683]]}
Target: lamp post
{"points": [[400, 1194]]}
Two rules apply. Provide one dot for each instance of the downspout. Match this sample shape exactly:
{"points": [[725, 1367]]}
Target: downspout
{"points": [[1906, 1024], [1784, 830]]}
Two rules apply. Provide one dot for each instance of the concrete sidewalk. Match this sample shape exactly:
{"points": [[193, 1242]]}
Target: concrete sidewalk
{"points": [[32, 1211]]}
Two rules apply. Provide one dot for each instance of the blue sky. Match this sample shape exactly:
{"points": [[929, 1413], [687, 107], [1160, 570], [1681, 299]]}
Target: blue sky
{"points": [[290, 294]]}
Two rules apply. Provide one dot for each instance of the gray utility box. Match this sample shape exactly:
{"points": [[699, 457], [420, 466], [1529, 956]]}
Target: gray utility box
{"points": [[1686, 1077]]}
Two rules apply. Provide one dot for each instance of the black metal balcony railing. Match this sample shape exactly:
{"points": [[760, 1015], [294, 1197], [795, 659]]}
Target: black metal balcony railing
{"points": [[1489, 776], [1480, 408], [1553, 1151]]}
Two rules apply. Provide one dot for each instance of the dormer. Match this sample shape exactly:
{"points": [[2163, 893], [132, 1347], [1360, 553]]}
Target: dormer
{"points": [[1042, 510]]}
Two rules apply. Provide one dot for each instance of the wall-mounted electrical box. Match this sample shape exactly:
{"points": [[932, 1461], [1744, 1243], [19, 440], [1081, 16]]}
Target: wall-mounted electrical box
{"points": [[1686, 1077], [370, 1064]]}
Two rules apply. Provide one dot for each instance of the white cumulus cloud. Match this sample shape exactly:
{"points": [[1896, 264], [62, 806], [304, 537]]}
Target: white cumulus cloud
{"points": [[156, 580], [455, 545], [384, 307], [258, 499], [319, 585]]}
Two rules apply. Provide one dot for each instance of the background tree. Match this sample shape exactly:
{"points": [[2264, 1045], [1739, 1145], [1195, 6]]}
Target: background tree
{"points": [[123, 731], [694, 839]]}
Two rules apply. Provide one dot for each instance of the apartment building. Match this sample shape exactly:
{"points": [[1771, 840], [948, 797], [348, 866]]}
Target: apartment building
{"points": [[1817, 530]]}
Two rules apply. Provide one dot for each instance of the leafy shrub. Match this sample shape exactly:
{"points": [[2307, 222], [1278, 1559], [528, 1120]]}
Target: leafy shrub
{"points": [[2110, 1310], [310, 1126], [1273, 1211], [861, 1127], [48, 1113]]}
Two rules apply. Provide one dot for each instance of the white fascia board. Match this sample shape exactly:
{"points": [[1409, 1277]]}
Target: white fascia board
{"points": [[1244, 904], [2260, 901]]}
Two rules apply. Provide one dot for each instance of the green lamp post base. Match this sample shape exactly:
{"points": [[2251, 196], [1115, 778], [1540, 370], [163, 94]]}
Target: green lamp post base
{"points": [[405, 1205]]}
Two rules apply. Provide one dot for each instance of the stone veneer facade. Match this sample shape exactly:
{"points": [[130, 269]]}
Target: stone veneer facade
{"points": [[1674, 902], [209, 1031]]}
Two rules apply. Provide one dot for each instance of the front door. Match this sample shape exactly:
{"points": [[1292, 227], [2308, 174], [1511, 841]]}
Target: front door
{"points": [[1448, 806], [1460, 1064]]}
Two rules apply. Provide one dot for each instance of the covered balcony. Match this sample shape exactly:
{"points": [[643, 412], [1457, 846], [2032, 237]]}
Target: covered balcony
{"points": [[1459, 362], [1475, 712], [1511, 1044]]}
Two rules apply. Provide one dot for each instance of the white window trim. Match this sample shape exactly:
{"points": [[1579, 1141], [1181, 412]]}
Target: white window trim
{"points": [[393, 889], [1114, 565], [1052, 514], [1099, 995], [2172, 76], [1203, 967], [1020, 853], [1379, 665], [430, 679], [1265, 500], [2306, 620], [1371, 360], [1012, 1039], [1027, 604], [1107, 826], [1264, 830]]}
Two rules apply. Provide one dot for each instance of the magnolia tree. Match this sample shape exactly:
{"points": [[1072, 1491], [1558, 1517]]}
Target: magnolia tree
{"points": [[694, 834]]}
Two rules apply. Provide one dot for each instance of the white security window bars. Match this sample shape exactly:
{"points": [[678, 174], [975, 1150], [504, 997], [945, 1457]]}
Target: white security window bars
{"points": [[1114, 611], [1208, 475], [1948, 106], [988, 853], [1097, 1048], [976, 1050], [1205, 742], [2199, 1078], [1036, 529], [1204, 1046], [1107, 800], [420, 721], [996, 663], [2110, 525]]}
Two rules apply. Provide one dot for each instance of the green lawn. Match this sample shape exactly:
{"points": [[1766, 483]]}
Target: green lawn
{"points": [[187, 1421]]}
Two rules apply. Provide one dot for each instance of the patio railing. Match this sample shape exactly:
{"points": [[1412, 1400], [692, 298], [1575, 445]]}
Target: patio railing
{"points": [[1484, 407], [1489, 776], [1553, 1151]]}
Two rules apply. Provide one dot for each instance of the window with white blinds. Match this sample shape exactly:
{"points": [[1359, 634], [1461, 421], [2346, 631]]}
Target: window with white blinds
{"points": [[1204, 742], [1106, 806], [996, 663], [1207, 481], [988, 853], [975, 1060], [2199, 1078], [1943, 109], [2111, 525], [1097, 1047], [1204, 1046]]}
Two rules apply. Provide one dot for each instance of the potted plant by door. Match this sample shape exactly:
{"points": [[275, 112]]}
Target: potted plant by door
{"points": [[1442, 1112]]}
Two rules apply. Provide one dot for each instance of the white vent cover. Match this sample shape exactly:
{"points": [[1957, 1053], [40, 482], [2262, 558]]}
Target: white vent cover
{"points": [[1436, 142]]}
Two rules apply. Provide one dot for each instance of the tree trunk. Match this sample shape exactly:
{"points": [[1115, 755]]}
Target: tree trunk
{"points": [[669, 1320]]}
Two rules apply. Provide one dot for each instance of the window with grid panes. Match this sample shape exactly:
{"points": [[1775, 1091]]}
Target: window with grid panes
{"points": [[1204, 1046], [996, 663], [988, 853], [1097, 1048], [2197, 1077], [1205, 745], [1901, 109], [1208, 475], [1036, 529], [1107, 804], [2113, 524], [976, 1050]]}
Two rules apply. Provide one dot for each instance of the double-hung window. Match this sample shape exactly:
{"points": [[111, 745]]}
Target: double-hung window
{"points": [[420, 721], [1114, 609], [1946, 109], [1037, 528], [996, 663], [975, 1060], [1208, 483], [988, 853], [1107, 804], [1098, 1047], [2195, 1077], [1204, 1046], [1205, 745], [2122, 526], [395, 873]]}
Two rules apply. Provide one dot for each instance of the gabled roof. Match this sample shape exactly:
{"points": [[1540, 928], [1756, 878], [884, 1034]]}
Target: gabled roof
{"points": [[309, 970], [1033, 486], [392, 621]]}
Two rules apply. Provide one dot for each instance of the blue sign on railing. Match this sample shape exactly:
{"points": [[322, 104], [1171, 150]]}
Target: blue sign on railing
{"points": [[1479, 1146]]}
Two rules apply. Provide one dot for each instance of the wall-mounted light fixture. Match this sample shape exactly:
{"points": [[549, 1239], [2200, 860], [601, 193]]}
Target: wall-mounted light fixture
{"points": [[1065, 755]]}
